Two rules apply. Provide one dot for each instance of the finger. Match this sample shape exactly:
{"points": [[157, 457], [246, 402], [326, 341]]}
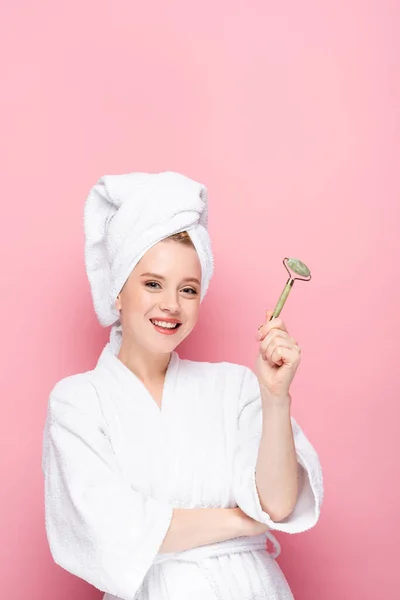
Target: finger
{"points": [[268, 347], [287, 356], [272, 355], [268, 315], [270, 335], [279, 354], [276, 339], [270, 325]]}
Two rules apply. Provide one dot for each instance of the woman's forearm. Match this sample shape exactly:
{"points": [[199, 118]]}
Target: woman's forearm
{"points": [[195, 527], [276, 469]]}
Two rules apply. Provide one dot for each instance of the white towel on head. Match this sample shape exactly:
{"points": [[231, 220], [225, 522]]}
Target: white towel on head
{"points": [[124, 216]]}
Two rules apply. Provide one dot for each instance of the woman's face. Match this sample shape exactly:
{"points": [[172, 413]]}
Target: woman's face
{"points": [[164, 287]]}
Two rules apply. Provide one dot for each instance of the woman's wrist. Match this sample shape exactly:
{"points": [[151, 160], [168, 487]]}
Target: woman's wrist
{"points": [[237, 522]]}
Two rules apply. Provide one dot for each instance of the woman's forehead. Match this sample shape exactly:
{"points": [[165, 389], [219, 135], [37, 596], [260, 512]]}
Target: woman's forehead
{"points": [[168, 257]]}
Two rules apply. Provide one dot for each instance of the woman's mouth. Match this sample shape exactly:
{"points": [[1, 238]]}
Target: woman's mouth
{"points": [[165, 327]]}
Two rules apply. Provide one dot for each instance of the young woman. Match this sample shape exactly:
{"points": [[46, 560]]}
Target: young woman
{"points": [[164, 476]]}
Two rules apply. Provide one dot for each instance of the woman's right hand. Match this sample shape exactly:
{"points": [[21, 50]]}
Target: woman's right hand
{"points": [[247, 525]]}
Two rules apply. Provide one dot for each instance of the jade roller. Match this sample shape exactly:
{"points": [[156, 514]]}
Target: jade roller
{"points": [[298, 268]]}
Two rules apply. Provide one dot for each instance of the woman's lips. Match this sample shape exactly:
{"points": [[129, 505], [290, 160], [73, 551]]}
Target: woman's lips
{"points": [[164, 330]]}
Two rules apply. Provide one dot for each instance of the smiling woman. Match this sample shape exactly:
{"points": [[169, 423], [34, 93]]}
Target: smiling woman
{"points": [[156, 299], [153, 464]]}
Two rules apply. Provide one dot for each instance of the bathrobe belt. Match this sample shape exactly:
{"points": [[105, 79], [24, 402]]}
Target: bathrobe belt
{"points": [[232, 546]]}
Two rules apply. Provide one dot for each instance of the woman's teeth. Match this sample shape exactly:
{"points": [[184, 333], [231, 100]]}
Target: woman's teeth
{"points": [[165, 324]]}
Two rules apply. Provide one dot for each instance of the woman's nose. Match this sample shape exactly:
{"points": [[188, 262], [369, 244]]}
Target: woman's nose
{"points": [[170, 303]]}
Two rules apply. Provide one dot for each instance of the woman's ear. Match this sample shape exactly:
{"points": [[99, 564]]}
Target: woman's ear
{"points": [[118, 302]]}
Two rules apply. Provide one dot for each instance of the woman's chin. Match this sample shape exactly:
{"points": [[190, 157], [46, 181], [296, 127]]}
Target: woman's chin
{"points": [[165, 344]]}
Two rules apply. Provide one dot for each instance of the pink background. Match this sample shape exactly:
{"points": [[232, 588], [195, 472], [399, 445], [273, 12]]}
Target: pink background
{"points": [[289, 112]]}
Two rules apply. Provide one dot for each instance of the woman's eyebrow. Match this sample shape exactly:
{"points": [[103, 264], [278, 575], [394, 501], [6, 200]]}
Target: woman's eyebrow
{"points": [[156, 276]]}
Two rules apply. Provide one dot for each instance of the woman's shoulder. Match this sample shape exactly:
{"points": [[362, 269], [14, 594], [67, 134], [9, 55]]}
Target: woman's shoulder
{"points": [[73, 392], [225, 375], [217, 368]]}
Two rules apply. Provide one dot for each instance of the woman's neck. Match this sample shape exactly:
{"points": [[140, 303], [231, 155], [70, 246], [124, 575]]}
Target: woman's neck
{"points": [[146, 365]]}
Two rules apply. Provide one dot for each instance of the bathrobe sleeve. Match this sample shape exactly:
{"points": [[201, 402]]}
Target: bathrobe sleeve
{"points": [[98, 527], [307, 510]]}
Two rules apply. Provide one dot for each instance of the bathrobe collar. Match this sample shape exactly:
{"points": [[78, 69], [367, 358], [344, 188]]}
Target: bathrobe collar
{"points": [[128, 380]]}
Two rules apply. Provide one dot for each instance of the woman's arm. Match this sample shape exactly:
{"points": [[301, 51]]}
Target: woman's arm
{"points": [[195, 527], [277, 469], [259, 456]]}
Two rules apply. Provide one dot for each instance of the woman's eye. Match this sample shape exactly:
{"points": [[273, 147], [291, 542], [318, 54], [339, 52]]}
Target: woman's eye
{"points": [[152, 284]]}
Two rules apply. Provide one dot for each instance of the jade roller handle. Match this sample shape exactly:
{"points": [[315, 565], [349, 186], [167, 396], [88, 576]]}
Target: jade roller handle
{"points": [[282, 299]]}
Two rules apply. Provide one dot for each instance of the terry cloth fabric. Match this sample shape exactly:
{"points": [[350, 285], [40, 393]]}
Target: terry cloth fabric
{"points": [[124, 216]]}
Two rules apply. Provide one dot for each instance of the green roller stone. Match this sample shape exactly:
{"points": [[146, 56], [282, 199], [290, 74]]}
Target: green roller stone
{"points": [[298, 267]]}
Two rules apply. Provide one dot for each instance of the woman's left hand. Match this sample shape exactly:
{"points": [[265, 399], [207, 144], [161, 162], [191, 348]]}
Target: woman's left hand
{"points": [[278, 358]]}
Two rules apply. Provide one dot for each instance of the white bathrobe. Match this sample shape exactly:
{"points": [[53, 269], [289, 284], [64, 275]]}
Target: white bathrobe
{"points": [[116, 465]]}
